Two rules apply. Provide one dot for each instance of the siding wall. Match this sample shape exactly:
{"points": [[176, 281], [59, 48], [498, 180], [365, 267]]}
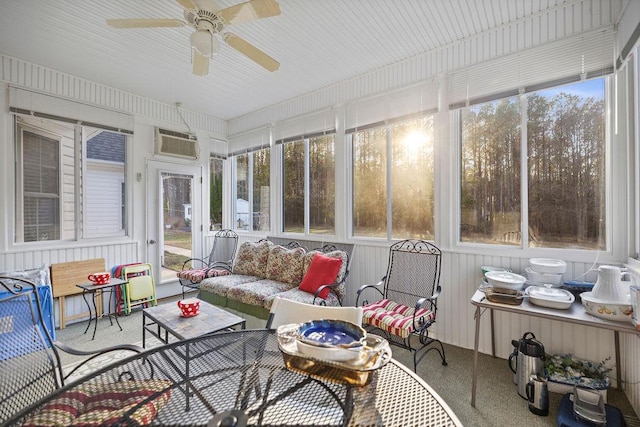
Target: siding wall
{"points": [[114, 254]]}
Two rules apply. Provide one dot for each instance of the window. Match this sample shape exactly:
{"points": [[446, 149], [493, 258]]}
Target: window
{"points": [[393, 180], [309, 185], [252, 190], [40, 155], [215, 192], [565, 169], [61, 196], [103, 178], [490, 176]]}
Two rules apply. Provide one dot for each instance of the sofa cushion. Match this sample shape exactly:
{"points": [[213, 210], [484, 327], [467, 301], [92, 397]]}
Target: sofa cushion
{"points": [[197, 275], [255, 292], [103, 404], [323, 270], [340, 290], [220, 285], [285, 265], [296, 294], [251, 259]]}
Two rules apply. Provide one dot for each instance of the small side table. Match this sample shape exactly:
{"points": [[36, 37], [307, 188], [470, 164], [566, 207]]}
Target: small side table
{"points": [[97, 291]]}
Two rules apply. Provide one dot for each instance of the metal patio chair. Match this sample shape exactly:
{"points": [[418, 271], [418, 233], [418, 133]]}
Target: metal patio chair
{"points": [[30, 367], [405, 300], [218, 263]]}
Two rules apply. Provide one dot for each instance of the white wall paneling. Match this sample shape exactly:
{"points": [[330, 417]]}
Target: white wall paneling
{"points": [[113, 253], [38, 78]]}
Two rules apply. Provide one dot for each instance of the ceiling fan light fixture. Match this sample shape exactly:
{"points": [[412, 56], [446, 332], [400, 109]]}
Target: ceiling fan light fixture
{"points": [[204, 43]]}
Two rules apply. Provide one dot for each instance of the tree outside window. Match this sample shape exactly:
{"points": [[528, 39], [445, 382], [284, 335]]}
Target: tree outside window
{"points": [[565, 169], [393, 173], [253, 191], [309, 185], [215, 193]]}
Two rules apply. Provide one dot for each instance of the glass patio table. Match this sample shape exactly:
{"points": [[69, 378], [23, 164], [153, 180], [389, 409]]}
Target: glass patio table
{"points": [[237, 378]]}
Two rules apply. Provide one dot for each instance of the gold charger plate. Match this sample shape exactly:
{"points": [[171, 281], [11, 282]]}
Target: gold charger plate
{"points": [[375, 353]]}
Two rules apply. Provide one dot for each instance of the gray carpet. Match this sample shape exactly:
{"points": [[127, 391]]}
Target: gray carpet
{"points": [[497, 400]]}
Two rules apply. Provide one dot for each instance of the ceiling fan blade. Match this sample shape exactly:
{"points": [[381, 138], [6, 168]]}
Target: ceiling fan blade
{"points": [[187, 4], [251, 52], [144, 23], [248, 11], [200, 64]]}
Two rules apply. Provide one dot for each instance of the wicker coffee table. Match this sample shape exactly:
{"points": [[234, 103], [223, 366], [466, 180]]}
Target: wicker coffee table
{"points": [[166, 319]]}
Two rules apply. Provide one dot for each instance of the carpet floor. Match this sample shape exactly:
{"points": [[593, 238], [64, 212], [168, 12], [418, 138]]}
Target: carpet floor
{"points": [[497, 400]]}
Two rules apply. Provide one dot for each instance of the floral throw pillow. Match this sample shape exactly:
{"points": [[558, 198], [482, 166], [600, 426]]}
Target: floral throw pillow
{"points": [[285, 265], [251, 259]]}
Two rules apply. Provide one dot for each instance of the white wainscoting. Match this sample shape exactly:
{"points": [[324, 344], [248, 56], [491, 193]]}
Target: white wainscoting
{"points": [[114, 254]]}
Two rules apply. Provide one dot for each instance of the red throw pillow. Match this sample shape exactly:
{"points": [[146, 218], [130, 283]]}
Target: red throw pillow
{"points": [[323, 270]]}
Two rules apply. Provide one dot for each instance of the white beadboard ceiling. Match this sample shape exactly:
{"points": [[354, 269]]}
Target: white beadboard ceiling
{"points": [[317, 42]]}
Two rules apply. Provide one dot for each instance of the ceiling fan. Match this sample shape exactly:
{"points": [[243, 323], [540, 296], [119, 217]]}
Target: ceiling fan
{"points": [[208, 20]]}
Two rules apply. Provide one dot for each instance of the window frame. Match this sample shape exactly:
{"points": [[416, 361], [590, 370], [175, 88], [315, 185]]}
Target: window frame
{"points": [[79, 188], [614, 213], [306, 141], [250, 190], [389, 170], [19, 223], [223, 177]]}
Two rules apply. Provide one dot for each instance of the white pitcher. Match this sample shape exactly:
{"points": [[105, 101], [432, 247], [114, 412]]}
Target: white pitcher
{"points": [[609, 286]]}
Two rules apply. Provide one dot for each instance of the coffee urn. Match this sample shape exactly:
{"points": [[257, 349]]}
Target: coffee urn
{"points": [[528, 355]]}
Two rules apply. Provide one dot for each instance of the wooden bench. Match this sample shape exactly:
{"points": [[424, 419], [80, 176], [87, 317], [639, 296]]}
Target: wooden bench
{"points": [[64, 278]]}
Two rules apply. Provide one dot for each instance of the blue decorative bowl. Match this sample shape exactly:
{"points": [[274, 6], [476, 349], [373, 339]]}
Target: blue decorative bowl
{"points": [[331, 339]]}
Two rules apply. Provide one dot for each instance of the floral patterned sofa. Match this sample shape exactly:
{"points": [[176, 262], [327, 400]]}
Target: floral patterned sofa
{"points": [[265, 270]]}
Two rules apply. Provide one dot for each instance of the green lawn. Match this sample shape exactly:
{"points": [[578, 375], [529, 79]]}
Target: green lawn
{"points": [[178, 238], [174, 261]]}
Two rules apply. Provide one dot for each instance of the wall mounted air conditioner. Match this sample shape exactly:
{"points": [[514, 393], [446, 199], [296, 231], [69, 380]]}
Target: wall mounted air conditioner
{"points": [[176, 144]]}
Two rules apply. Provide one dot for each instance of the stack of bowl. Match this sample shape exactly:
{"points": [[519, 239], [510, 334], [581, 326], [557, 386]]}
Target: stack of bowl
{"points": [[546, 271]]}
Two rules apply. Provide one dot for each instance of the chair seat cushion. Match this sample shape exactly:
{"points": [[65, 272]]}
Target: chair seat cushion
{"points": [[103, 404], [394, 318], [197, 275]]}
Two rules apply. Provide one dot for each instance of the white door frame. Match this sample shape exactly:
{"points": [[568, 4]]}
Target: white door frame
{"points": [[154, 230]]}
